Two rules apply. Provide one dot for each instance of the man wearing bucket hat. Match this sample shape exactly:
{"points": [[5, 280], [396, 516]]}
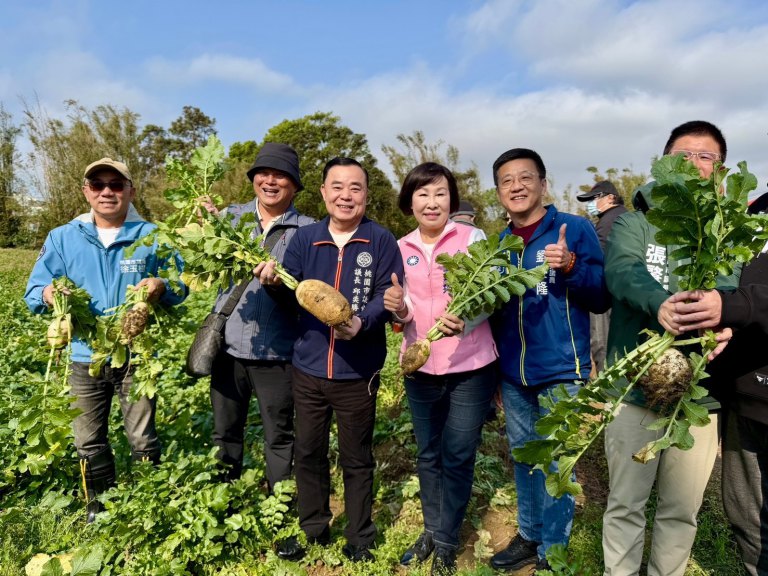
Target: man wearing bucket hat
{"points": [[259, 334], [89, 250]]}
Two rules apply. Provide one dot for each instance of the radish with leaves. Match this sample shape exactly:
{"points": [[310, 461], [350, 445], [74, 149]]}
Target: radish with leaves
{"points": [[707, 221]]}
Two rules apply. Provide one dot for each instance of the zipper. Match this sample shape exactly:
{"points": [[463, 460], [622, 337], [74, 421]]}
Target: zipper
{"points": [[332, 344], [520, 325]]}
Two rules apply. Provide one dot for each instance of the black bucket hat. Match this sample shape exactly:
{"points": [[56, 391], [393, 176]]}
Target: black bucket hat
{"points": [[278, 157]]}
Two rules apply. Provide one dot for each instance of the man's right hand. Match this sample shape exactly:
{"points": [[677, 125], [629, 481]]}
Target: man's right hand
{"points": [[691, 310], [48, 294], [265, 272]]}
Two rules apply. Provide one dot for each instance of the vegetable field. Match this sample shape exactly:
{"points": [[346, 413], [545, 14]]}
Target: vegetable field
{"points": [[177, 518]]}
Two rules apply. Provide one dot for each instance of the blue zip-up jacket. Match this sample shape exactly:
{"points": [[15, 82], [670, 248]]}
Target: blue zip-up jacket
{"points": [[361, 271], [75, 251], [258, 328], [543, 337]]}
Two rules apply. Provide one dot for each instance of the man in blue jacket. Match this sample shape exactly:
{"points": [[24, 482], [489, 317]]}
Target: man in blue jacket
{"points": [[543, 339], [89, 251], [335, 370]]}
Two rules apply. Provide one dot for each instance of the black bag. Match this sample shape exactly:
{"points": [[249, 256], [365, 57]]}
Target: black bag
{"points": [[209, 338]]}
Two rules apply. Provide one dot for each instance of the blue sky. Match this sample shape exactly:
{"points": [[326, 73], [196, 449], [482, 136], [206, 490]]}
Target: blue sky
{"points": [[584, 82]]}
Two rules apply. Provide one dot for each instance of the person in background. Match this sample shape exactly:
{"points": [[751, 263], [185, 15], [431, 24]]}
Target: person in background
{"points": [[336, 370], [741, 373], [259, 334], [543, 340], [641, 279], [450, 394], [89, 250], [606, 204], [464, 213]]}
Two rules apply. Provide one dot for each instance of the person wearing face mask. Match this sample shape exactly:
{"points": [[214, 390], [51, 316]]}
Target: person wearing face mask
{"points": [[606, 204]]}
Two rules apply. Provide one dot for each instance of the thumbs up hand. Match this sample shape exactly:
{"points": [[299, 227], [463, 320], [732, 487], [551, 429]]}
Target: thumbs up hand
{"points": [[557, 255], [394, 298]]}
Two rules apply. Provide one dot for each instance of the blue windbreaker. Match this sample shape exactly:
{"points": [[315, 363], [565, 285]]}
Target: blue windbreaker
{"points": [[543, 337], [75, 251]]}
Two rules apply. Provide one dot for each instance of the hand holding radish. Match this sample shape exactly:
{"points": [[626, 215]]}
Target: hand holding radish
{"points": [[265, 272], [348, 331], [450, 324], [155, 288]]}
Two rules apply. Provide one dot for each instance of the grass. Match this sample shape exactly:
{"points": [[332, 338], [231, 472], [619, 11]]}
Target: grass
{"points": [[184, 415]]}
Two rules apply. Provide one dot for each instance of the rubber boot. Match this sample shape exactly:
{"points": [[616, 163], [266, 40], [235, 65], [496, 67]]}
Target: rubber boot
{"points": [[98, 473], [152, 456]]}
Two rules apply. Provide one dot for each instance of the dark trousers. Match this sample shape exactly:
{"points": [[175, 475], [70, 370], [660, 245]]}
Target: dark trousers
{"points": [[354, 403], [93, 396], [745, 488], [448, 413], [233, 382]]}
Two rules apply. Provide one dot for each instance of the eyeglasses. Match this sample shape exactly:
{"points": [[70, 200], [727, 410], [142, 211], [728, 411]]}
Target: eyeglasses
{"points": [[526, 179], [114, 185], [708, 157]]}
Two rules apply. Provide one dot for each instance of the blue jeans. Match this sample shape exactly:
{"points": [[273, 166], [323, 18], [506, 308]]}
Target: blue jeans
{"points": [[448, 413], [541, 518]]}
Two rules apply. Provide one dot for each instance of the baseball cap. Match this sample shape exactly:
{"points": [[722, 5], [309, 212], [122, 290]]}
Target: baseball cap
{"points": [[603, 188], [108, 163]]}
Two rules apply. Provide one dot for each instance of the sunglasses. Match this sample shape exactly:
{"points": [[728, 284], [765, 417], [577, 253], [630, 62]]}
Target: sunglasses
{"points": [[114, 185]]}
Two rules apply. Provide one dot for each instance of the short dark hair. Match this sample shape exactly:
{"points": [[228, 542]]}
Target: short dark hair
{"points": [[420, 176], [343, 161], [517, 154], [697, 128]]}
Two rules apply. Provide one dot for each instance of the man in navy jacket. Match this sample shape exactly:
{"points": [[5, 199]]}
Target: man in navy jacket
{"points": [[336, 369]]}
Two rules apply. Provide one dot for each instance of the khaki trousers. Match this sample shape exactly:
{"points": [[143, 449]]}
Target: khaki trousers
{"points": [[680, 476]]}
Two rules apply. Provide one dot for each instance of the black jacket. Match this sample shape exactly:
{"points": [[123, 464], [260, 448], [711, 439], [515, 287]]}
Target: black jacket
{"points": [[605, 222], [741, 371]]}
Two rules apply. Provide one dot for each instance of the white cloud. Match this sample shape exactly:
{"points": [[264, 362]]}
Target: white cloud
{"points": [[222, 68], [570, 127]]}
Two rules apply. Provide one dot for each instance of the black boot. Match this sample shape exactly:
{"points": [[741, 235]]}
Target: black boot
{"points": [[98, 473], [146, 456]]}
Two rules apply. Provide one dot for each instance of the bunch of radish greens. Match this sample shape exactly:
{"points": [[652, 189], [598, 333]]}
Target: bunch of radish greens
{"points": [[705, 224], [480, 280], [216, 253]]}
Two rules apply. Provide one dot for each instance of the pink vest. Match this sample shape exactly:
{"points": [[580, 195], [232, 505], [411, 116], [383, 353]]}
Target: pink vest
{"points": [[426, 290]]}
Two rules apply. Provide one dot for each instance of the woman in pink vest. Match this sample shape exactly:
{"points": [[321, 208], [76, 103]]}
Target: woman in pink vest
{"points": [[450, 395]]}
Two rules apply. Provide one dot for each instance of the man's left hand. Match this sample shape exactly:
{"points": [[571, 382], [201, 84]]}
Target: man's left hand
{"points": [[557, 255], [345, 332]]}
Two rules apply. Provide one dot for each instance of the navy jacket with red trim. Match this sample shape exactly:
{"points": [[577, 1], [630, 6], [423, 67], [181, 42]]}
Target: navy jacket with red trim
{"points": [[361, 271]]}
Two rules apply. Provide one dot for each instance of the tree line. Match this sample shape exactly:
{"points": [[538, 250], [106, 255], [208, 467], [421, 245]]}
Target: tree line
{"points": [[40, 190]]}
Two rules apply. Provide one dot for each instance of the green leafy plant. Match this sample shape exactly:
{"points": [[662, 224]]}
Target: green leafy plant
{"points": [[561, 565], [215, 252], [480, 281], [712, 234], [40, 428], [132, 333], [178, 517]]}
